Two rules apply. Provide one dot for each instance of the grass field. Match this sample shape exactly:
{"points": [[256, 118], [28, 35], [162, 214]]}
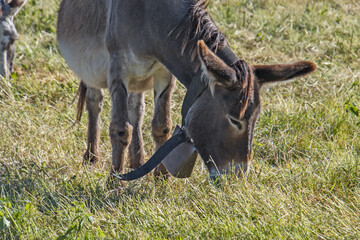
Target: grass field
{"points": [[304, 182]]}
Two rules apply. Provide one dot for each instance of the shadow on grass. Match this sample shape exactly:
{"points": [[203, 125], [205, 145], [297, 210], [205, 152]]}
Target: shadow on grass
{"points": [[52, 186]]}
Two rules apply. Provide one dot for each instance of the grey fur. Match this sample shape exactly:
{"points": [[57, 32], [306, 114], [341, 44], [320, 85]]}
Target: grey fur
{"points": [[130, 46], [8, 35]]}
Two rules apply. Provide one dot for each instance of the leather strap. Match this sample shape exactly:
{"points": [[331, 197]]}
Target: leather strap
{"points": [[227, 55], [196, 88], [156, 159]]}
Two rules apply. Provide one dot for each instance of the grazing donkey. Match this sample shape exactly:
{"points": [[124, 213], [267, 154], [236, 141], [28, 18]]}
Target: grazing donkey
{"points": [[8, 34], [130, 46]]}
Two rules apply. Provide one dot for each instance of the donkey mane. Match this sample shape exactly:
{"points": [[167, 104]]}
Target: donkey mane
{"points": [[198, 25]]}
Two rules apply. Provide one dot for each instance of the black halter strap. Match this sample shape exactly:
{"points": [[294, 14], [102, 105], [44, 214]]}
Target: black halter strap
{"points": [[196, 88], [227, 55], [156, 159]]}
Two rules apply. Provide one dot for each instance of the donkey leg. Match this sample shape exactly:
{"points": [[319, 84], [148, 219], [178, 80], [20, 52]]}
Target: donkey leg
{"points": [[136, 103], [120, 128], [94, 104], [161, 123], [10, 54]]}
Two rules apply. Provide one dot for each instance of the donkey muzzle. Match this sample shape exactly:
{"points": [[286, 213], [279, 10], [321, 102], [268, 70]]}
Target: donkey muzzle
{"points": [[236, 169]]}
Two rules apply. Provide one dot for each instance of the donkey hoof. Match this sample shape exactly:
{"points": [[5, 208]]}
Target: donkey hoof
{"points": [[161, 173], [161, 177], [114, 183], [91, 158]]}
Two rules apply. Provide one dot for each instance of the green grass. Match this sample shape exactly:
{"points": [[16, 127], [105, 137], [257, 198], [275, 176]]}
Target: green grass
{"points": [[305, 177]]}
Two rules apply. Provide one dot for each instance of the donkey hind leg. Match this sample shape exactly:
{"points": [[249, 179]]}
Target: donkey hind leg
{"points": [[94, 104], [164, 84], [136, 103]]}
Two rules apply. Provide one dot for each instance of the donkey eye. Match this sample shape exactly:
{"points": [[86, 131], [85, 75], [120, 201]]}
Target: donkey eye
{"points": [[237, 123]]}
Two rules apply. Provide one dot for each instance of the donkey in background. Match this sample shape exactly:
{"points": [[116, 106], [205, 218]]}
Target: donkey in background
{"points": [[8, 34], [130, 46]]}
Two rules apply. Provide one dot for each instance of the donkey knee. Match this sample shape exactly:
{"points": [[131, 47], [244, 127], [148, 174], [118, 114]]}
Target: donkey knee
{"points": [[120, 134], [161, 132]]}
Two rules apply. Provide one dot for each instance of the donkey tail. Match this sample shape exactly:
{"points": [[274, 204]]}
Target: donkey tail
{"points": [[81, 102]]}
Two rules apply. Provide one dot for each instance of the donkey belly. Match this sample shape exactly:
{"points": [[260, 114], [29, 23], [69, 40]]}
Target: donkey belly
{"points": [[89, 62], [84, 49], [92, 65], [81, 36]]}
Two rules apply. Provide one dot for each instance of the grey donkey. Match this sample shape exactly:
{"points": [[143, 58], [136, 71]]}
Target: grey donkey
{"points": [[8, 34], [131, 46]]}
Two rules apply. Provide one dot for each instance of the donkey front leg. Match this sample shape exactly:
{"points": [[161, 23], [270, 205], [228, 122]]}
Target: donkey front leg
{"points": [[161, 124], [94, 104], [120, 128], [136, 103]]}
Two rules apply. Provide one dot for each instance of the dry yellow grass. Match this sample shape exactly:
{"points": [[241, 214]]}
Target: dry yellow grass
{"points": [[305, 179]]}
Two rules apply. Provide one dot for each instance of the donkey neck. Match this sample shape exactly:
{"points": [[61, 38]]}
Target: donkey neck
{"points": [[187, 69]]}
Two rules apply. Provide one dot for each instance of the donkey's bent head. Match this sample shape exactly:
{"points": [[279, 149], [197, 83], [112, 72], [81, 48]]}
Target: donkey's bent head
{"points": [[221, 121], [8, 34]]}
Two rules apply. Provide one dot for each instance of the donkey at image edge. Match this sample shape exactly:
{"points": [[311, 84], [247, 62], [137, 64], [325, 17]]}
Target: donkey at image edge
{"points": [[8, 34], [132, 46]]}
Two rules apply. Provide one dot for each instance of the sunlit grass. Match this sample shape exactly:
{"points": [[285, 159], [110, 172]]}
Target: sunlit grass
{"points": [[304, 182]]}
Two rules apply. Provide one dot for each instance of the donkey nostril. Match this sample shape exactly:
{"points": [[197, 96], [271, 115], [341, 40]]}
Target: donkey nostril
{"points": [[121, 133], [236, 123]]}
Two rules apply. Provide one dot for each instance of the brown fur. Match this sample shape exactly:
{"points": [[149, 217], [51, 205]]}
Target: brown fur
{"points": [[246, 81], [223, 73], [267, 74], [16, 3], [81, 93], [238, 75]]}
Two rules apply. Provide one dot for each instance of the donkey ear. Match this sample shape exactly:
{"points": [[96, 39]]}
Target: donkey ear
{"points": [[270, 74], [215, 70], [16, 5]]}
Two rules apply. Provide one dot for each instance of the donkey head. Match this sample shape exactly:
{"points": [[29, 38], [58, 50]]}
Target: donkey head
{"points": [[221, 121], [8, 34]]}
